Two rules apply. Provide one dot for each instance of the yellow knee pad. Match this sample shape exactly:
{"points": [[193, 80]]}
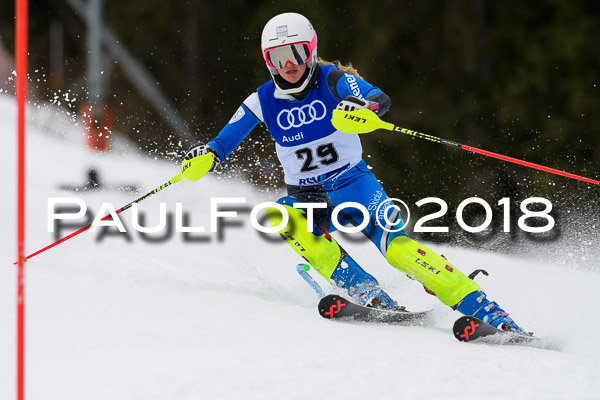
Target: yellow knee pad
{"points": [[432, 270], [321, 252]]}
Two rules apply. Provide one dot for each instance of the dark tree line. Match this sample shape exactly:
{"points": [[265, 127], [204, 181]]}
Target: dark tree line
{"points": [[513, 77]]}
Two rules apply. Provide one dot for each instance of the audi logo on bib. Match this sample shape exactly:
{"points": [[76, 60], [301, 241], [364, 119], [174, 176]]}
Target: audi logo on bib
{"points": [[298, 116]]}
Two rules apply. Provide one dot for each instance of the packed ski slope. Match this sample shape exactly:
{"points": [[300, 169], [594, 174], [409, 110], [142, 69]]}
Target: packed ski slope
{"points": [[120, 319]]}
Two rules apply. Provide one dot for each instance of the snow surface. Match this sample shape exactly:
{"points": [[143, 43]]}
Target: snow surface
{"points": [[231, 319]]}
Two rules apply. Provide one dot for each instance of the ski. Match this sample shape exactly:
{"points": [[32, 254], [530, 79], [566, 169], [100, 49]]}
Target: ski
{"points": [[469, 329], [336, 307]]}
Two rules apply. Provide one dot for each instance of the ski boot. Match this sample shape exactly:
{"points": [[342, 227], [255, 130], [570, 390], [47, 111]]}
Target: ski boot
{"points": [[328, 258], [360, 285], [477, 305]]}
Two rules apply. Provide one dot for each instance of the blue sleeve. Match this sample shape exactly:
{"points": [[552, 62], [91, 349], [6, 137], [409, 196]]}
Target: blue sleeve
{"points": [[352, 85], [230, 137]]}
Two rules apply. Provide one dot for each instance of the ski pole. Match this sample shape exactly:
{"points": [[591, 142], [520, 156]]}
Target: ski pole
{"points": [[303, 271], [171, 181], [192, 170], [365, 120]]}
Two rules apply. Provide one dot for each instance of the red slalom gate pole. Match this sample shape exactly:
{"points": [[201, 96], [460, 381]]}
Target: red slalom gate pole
{"points": [[21, 27]]}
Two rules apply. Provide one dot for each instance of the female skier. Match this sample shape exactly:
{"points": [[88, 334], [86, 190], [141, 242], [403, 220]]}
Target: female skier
{"points": [[323, 165]]}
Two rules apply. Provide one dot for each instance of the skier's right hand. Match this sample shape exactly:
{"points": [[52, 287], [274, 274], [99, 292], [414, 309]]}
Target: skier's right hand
{"points": [[198, 161]]}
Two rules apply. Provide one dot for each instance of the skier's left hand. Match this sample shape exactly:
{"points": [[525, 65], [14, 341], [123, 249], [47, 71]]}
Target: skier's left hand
{"points": [[351, 103]]}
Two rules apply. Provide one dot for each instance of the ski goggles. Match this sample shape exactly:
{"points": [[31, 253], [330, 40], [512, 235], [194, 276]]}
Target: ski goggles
{"points": [[297, 53]]}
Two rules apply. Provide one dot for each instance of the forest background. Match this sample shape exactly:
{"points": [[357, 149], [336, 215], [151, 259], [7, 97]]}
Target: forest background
{"points": [[517, 78]]}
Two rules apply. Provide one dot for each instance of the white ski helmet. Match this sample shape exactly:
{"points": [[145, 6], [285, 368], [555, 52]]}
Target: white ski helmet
{"points": [[289, 37]]}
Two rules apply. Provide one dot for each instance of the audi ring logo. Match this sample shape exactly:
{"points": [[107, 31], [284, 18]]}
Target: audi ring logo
{"points": [[298, 116]]}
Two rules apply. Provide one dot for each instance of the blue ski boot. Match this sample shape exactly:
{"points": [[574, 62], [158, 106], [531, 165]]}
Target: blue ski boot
{"points": [[477, 305], [361, 286]]}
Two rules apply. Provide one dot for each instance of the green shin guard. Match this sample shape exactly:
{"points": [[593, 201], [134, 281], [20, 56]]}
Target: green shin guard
{"points": [[432, 270], [322, 252]]}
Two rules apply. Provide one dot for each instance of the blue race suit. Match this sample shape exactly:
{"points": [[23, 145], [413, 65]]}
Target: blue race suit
{"points": [[320, 163], [324, 165]]}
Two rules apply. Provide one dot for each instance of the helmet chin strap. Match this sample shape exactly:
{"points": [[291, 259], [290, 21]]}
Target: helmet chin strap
{"points": [[300, 88], [282, 84]]}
